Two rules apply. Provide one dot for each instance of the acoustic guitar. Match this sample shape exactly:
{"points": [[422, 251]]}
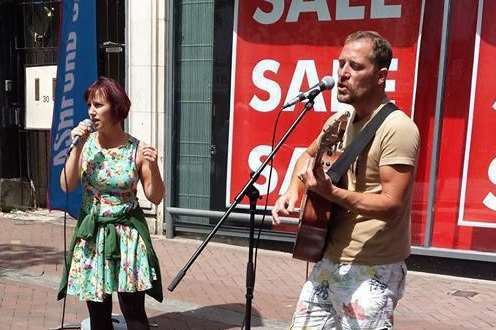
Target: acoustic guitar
{"points": [[315, 211]]}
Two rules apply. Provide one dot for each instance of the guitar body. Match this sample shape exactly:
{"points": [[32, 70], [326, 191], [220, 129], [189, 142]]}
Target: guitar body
{"points": [[316, 211]]}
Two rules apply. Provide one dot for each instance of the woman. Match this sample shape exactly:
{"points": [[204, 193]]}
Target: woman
{"points": [[111, 248]]}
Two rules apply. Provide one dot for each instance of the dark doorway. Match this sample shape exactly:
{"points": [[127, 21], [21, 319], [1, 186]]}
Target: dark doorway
{"points": [[30, 31], [110, 33]]}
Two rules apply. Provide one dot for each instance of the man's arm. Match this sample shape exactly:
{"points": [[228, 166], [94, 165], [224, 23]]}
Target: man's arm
{"points": [[395, 181], [286, 203], [301, 166]]}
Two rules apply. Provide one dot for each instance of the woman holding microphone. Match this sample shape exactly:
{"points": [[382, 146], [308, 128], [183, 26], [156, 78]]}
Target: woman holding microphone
{"points": [[111, 250]]}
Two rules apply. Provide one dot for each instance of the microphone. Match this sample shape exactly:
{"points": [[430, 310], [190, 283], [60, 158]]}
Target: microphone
{"points": [[88, 123], [326, 83]]}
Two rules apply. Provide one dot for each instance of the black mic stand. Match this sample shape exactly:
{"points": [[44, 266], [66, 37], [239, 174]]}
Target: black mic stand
{"points": [[253, 194]]}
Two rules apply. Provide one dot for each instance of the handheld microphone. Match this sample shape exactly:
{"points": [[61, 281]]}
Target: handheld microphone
{"points": [[88, 123], [326, 83]]}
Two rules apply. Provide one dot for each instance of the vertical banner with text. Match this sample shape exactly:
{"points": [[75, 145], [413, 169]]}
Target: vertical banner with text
{"points": [[76, 70], [282, 47], [478, 192]]}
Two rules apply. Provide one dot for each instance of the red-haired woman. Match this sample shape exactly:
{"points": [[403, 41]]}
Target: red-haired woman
{"points": [[111, 249]]}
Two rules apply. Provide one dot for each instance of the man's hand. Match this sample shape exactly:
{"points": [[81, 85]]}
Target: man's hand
{"points": [[284, 205], [317, 182]]}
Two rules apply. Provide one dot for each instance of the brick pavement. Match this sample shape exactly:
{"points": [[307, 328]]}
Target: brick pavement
{"points": [[211, 295]]}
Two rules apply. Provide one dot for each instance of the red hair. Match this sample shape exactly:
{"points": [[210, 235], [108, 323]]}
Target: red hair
{"points": [[113, 93]]}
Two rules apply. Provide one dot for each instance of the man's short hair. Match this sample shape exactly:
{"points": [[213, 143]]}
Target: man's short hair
{"points": [[381, 50]]}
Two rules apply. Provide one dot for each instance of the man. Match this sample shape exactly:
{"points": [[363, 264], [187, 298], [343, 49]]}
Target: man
{"points": [[361, 277]]}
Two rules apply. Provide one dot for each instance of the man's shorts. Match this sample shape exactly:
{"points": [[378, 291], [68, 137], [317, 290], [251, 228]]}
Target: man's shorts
{"points": [[348, 296]]}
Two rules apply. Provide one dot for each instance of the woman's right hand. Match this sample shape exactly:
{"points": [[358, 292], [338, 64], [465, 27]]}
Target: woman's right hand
{"points": [[83, 131]]}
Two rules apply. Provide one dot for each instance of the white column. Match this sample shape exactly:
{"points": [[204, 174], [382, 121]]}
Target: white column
{"points": [[145, 79]]}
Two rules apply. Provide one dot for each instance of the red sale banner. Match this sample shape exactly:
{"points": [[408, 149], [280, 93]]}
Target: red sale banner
{"points": [[283, 47], [478, 192]]}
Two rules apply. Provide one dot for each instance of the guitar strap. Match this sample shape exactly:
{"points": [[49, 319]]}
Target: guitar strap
{"points": [[351, 152]]}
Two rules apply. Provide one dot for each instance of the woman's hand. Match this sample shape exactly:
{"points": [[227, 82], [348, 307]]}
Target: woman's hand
{"points": [[150, 154], [73, 162], [83, 131], [151, 179]]}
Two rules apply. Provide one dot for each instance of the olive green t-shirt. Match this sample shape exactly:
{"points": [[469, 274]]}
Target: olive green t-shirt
{"points": [[365, 240]]}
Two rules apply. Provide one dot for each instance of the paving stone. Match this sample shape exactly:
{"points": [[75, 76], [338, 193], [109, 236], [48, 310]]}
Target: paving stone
{"points": [[212, 293]]}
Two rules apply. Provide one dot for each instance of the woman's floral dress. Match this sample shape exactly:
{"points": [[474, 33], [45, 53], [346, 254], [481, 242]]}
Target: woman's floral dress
{"points": [[109, 179]]}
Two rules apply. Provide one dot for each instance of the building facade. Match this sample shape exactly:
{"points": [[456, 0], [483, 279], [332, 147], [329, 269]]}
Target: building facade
{"points": [[205, 79]]}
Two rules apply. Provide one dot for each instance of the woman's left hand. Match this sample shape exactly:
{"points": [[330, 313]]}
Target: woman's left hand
{"points": [[151, 179], [149, 153]]}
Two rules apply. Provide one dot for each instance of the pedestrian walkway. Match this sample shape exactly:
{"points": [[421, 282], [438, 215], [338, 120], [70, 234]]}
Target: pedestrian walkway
{"points": [[211, 295]]}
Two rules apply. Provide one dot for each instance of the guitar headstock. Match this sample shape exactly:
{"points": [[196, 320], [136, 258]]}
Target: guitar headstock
{"points": [[331, 142], [333, 135]]}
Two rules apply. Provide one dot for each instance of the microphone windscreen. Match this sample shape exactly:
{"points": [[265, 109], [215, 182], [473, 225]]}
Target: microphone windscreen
{"points": [[88, 123], [327, 83]]}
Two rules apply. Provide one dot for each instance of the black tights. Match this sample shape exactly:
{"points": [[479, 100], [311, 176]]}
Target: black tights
{"points": [[132, 307]]}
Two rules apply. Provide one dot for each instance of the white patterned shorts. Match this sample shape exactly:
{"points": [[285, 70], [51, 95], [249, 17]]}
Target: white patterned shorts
{"points": [[348, 296]]}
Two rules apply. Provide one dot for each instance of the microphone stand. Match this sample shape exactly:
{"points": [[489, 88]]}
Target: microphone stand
{"points": [[253, 194]]}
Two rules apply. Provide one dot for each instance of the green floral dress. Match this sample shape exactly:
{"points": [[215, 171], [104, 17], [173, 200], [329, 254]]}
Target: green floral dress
{"points": [[110, 180]]}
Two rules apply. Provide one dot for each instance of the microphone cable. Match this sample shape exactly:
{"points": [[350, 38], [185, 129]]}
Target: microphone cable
{"points": [[257, 240], [267, 195], [66, 265]]}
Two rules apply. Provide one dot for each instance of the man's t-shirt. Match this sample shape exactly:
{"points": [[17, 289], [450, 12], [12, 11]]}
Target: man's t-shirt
{"points": [[365, 240]]}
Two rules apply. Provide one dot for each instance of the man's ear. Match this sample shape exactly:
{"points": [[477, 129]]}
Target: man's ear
{"points": [[382, 75]]}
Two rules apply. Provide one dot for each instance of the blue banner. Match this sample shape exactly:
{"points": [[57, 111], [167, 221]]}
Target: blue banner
{"points": [[76, 70]]}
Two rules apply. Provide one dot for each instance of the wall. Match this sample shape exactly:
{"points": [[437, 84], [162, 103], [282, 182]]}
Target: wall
{"points": [[145, 80]]}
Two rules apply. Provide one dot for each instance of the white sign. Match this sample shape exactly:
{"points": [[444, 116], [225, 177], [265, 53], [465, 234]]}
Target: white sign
{"points": [[40, 93]]}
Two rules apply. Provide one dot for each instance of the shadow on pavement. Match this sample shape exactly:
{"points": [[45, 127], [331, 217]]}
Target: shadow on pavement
{"points": [[226, 316], [454, 267], [18, 256]]}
